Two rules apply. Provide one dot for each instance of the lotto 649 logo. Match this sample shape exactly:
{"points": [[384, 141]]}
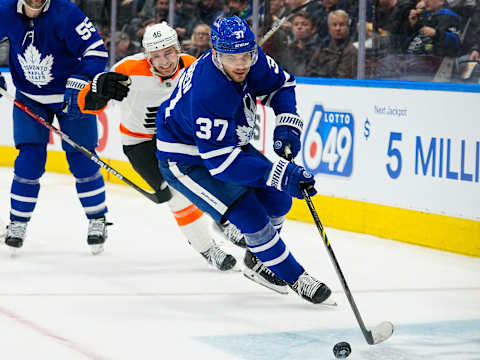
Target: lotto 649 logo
{"points": [[328, 142]]}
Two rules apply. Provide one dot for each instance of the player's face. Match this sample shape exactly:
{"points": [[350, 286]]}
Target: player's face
{"points": [[35, 4], [164, 61], [237, 66]]}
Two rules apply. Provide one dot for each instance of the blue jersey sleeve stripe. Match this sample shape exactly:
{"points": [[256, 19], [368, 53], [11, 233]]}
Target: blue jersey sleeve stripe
{"points": [[230, 159], [177, 148]]}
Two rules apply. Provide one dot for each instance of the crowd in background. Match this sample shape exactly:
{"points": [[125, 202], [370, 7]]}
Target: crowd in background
{"points": [[406, 39]]}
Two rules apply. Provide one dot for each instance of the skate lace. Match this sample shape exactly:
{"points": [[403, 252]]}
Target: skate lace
{"points": [[233, 233], [17, 229], [216, 255], [307, 285], [96, 227]]}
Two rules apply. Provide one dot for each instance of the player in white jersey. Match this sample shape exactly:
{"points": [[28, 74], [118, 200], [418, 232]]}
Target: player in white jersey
{"points": [[154, 73]]}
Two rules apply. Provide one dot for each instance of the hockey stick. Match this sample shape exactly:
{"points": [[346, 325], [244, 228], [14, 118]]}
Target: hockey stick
{"points": [[277, 25], [382, 331], [92, 156]]}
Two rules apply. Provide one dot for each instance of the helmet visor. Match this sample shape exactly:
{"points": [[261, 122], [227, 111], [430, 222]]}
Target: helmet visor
{"points": [[245, 59]]}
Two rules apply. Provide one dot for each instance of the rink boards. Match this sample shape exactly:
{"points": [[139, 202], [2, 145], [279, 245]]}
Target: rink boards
{"points": [[395, 160]]}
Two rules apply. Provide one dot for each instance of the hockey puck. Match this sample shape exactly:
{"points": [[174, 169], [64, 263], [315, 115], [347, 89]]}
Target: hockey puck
{"points": [[341, 350]]}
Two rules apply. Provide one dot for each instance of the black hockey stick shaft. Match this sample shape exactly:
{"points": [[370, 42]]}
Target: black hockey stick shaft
{"points": [[280, 22], [92, 156], [366, 333]]}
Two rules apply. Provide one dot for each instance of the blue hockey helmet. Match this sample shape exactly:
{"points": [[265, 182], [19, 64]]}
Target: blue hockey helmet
{"points": [[232, 35]]}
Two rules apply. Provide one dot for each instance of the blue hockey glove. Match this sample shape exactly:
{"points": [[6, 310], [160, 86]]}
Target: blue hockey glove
{"points": [[75, 83], [3, 85], [287, 133], [291, 178]]}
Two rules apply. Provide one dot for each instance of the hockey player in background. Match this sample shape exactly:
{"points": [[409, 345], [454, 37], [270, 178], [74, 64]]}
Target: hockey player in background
{"points": [[203, 145], [54, 51], [154, 74]]}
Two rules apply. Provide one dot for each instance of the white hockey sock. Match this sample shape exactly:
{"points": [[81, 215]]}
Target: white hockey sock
{"points": [[192, 222]]}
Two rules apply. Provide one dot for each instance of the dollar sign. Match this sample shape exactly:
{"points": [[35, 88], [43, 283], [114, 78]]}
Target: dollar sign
{"points": [[366, 130]]}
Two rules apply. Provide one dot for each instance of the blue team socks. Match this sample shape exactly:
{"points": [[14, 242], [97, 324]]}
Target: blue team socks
{"points": [[29, 167], [251, 217], [89, 183]]}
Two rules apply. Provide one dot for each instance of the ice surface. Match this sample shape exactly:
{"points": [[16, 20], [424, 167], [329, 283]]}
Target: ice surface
{"points": [[150, 296]]}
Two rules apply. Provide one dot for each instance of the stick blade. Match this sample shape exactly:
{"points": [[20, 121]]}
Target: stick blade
{"points": [[382, 332]]}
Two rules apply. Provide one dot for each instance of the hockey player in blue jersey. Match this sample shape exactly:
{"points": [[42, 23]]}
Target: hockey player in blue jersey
{"points": [[54, 51], [203, 136]]}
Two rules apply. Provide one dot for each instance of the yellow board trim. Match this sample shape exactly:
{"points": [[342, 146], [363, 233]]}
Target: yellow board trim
{"points": [[441, 232]]}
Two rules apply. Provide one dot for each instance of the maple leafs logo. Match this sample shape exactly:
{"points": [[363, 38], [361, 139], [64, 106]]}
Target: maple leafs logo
{"points": [[36, 70], [245, 133]]}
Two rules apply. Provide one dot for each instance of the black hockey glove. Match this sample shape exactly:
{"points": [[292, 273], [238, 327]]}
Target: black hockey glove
{"points": [[3, 85], [106, 86], [111, 85]]}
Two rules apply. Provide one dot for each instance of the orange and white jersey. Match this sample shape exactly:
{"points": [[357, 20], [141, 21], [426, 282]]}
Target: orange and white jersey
{"points": [[147, 92]]}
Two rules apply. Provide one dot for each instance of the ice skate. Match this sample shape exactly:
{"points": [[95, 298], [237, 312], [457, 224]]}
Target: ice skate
{"points": [[312, 290], [97, 234], [259, 273], [231, 232], [219, 258], [15, 235]]}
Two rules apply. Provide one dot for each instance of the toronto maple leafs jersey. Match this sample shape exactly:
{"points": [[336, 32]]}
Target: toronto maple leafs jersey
{"points": [[46, 50], [209, 118]]}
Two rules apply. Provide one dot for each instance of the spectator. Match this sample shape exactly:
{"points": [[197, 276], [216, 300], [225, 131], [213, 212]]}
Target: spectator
{"points": [[278, 42], [207, 11], [200, 41], [161, 11], [315, 9], [185, 18], [124, 46], [304, 42], [433, 30], [391, 22], [339, 58]]}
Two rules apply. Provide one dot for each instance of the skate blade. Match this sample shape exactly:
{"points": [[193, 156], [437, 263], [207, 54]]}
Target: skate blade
{"points": [[96, 249], [13, 251], [251, 275], [329, 302]]}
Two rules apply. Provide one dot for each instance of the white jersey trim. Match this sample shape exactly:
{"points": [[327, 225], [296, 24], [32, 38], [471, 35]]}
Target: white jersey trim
{"points": [[197, 189], [177, 148], [45, 99], [218, 152], [230, 159], [96, 53]]}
